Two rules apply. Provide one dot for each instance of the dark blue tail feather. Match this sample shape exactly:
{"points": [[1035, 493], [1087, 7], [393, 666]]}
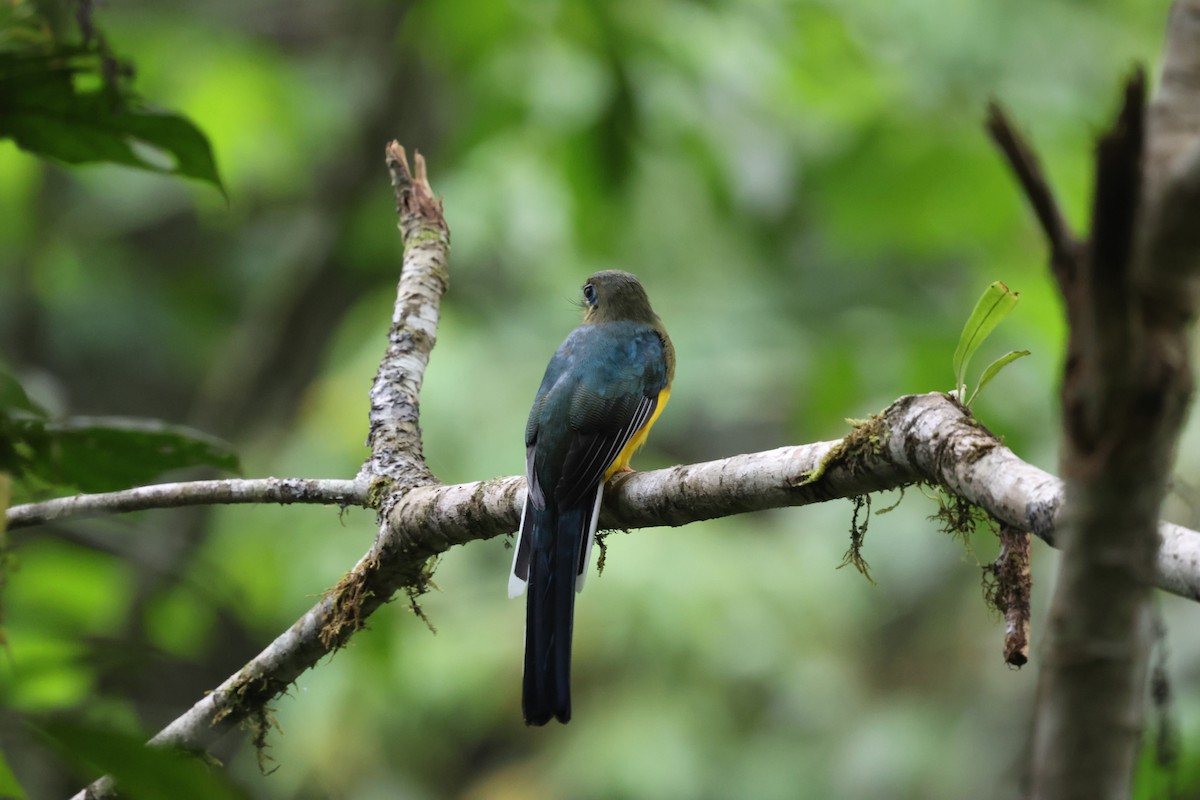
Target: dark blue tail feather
{"points": [[556, 539]]}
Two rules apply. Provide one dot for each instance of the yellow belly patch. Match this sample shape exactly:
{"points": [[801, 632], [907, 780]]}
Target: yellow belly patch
{"points": [[639, 438]]}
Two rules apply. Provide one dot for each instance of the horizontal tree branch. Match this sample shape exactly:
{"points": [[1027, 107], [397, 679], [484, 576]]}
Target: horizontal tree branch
{"points": [[958, 454], [921, 438], [284, 491]]}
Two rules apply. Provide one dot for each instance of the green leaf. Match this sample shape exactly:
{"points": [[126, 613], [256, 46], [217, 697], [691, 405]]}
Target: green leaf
{"points": [[96, 454], [14, 405], [101, 454], [994, 368], [141, 772], [13, 397], [10, 457], [995, 304], [44, 112]]}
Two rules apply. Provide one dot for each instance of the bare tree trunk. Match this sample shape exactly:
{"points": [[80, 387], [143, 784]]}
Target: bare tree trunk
{"points": [[1130, 294]]}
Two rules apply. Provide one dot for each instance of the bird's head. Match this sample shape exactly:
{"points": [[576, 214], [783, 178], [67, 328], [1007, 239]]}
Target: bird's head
{"points": [[613, 296]]}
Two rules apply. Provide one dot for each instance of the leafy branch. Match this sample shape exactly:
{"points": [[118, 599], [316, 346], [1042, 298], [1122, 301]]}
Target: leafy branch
{"points": [[70, 99]]}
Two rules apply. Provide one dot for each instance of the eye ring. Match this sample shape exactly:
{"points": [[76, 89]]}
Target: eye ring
{"points": [[589, 294]]}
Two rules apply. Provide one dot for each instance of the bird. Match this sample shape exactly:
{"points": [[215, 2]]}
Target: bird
{"points": [[603, 389]]}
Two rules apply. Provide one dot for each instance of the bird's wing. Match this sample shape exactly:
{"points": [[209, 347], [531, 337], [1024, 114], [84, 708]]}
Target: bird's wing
{"points": [[602, 428], [615, 397], [611, 378]]}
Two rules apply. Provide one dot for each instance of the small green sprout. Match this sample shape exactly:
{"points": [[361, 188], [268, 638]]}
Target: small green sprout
{"points": [[995, 304]]}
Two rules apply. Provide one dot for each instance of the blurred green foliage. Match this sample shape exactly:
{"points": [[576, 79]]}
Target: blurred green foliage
{"points": [[93, 454], [806, 190], [143, 773], [65, 95]]}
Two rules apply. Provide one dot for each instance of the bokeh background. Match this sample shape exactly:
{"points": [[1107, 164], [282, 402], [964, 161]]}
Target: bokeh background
{"points": [[807, 192]]}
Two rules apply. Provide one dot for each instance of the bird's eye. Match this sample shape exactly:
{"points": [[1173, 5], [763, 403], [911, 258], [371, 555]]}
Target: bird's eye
{"points": [[589, 294]]}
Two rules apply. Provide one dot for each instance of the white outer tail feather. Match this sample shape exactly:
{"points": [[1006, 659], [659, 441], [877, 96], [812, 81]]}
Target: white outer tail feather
{"points": [[517, 586], [591, 538]]}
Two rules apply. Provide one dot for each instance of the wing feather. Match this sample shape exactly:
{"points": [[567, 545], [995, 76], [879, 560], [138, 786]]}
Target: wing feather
{"points": [[591, 454]]}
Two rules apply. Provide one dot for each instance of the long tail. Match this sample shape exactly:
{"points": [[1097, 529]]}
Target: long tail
{"points": [[556, 546]]}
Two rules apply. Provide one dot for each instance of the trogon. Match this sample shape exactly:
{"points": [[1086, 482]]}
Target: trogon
{"points": [[603, 389]]}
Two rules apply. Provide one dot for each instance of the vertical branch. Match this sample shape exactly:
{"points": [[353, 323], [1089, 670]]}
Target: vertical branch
{"points": [[1126, 388], [395, 432], [1090, 695], [1064, 246], [1172, 237], [1174, 115], [397, 459], [1130, 294]]}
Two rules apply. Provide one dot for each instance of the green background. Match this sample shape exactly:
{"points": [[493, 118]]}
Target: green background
{"points": [[807, 192]]}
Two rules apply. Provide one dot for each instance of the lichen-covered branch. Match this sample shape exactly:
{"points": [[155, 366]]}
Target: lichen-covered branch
{"points": [[919, 438], [285, 491], [395, 432], [397, 465]]}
